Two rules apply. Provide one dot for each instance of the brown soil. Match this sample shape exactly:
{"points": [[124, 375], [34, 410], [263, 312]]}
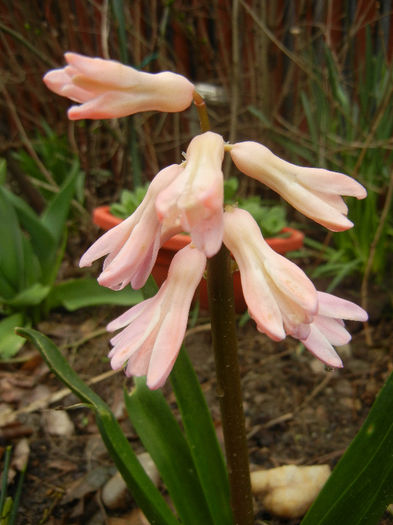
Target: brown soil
{"points": [[296, 412]]}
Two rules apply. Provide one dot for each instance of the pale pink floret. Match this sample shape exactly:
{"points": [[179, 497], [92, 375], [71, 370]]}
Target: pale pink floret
{"points": [[328, 329], [132, 246], [195, 197], [279, 296], [154, 329], [314, 192], [109, 89]]}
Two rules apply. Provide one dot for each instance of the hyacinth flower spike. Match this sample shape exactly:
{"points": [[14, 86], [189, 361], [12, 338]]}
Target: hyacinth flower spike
{"points": [[327, 328], [314, 192], [131, 247], [108, 89], [279, 296], [195, 197], [154, 329]]}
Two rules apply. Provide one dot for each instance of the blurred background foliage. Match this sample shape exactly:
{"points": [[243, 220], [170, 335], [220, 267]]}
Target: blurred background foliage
{"points": [[310, 79]]}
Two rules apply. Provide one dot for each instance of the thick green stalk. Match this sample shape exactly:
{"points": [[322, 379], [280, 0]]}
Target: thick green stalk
{"points": [[222, 312], [223, 322]]}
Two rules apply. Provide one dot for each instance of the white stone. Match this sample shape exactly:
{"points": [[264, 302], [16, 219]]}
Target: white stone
{"points": [[289, 491], [58, 423]]}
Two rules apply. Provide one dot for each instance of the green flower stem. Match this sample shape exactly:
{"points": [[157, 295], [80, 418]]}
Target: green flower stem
{"points": [[222, 312]]}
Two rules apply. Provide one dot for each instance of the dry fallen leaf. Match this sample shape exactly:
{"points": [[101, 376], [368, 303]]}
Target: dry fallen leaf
{"points": [[87, 484]]}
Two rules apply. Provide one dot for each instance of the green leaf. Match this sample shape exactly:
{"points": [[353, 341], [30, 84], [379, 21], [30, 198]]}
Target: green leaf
{"points": [[17, 496], [129, 202], [31, 296], [10, 343], [204, 446], [257, 113], [361, 485], [161, 435], [3, 170], [146, 495], [32, 268], [79, 293], [11, 252], [42, 240], [7, 291], [231, 186], [56, 214], [310, 117], [7, 509], [118, 11]]}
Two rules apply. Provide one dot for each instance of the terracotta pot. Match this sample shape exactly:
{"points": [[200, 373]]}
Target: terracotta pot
{"points": [[102, 217]]}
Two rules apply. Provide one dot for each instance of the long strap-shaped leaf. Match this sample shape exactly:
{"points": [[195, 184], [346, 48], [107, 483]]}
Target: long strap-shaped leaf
{"points": [[163, 439], [361, 485], [12, 263], [202, 439], [145, 493], [42, 240]]}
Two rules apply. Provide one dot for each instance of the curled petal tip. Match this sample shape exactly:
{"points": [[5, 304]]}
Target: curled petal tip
{"points": [[84, 262], [361, 193], [336, 363], [74, 113]]}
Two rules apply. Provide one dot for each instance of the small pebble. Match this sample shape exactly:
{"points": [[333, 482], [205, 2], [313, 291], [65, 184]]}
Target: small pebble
{"points": [[58, 423], [289, 491], [115, 493]]}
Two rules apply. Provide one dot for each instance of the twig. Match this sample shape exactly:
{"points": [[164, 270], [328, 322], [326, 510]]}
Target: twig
{"points": [[201, 328], [25, 139], [315, 392], [34, 50], [235, 71], [75, 344], [60, 394], [292, 56], [105, 29], [290, 415], [48, 511]]}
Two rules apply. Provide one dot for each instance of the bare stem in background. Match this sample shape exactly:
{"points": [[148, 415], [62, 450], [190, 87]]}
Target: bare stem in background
{"points": [[234, 85], [25, 139], [235, 71], [105, 25]]}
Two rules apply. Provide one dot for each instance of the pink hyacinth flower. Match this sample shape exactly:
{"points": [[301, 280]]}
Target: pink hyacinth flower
{"points": [[195, 197], [314, 192], [108, 89], [132, 246], [155, 328], [328, 329], [279, 296]]}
